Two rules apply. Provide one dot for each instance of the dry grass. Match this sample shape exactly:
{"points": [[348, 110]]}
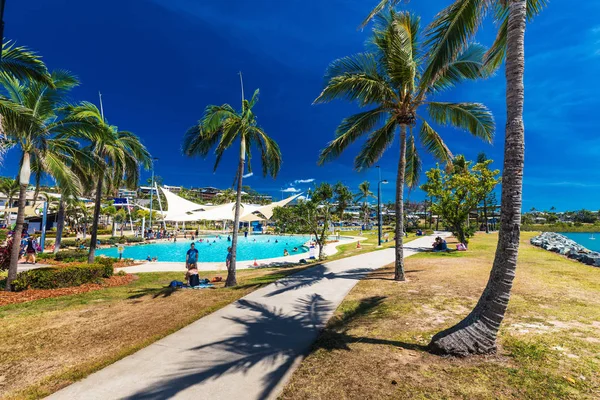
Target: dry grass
{"points": [[374, 348], [47, 344]]}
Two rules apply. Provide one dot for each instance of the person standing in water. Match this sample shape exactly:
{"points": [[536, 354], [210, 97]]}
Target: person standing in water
{"points": [[191, 258]]}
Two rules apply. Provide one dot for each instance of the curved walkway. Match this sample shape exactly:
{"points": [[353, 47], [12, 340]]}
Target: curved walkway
{"points": [[246, 350]]}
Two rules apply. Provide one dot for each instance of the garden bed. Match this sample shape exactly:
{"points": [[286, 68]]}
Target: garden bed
{"points": [[38, 294]]}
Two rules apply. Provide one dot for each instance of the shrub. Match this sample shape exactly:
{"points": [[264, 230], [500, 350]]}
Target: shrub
{"points": [[71, 255], [53, 278], [133, 239], [107, 263], [73, 242]]}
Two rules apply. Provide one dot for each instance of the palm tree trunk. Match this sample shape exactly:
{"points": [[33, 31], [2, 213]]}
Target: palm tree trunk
{"points": [[7, 214], [487, 229], [476, 334], [399, 275], [94, 239], [60, 224], [231, 278], [16, 243]]}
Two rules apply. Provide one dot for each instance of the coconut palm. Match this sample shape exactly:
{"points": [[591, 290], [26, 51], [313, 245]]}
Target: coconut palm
{"points": [[118, 155], [388, 78], [451, 31], [42, 140], [364, 194], [221, 127], [10, 188]]}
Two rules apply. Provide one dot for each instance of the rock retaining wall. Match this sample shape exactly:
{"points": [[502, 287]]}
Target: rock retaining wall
{"points": [[561, 244]]}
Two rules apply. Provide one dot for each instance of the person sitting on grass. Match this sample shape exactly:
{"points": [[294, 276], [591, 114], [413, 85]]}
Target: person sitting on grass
{"points": [[191, 276], [191, 258], [440, 244]]}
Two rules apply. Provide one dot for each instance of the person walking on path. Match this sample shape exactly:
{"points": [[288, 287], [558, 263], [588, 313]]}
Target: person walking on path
{"points": [[191, 258]]}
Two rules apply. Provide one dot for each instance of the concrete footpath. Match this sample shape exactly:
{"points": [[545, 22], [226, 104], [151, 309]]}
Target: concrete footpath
{"points": [[246, 350]]}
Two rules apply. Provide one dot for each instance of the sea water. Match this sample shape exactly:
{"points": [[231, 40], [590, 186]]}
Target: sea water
{"points": [[585, 239]]}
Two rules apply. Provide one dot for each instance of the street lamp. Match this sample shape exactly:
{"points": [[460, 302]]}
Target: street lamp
{"points": [[379, 207], [152, 190]]}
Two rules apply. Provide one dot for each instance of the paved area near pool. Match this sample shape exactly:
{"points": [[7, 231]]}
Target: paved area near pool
{"points": [[330, 249], [246, 350]]}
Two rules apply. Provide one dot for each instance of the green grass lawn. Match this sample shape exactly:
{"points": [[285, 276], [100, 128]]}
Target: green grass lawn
{"points": [[374, 347], [49, 343]]}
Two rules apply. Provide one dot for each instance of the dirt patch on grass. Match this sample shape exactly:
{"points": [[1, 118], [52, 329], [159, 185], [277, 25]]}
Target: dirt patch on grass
{"points": [[375, 346], [38, 294]]}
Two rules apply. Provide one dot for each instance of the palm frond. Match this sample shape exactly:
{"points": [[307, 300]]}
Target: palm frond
{"points": [[469, 65], [475, 118], [356, 78], [349, 130], [450, 32], [395, 40], [378, 8], [377, 143], [22, 63], [413, 163], [434, 144]]}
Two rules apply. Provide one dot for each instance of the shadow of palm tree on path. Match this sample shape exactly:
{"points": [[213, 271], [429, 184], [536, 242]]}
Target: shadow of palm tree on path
{"points": [[268, 336], [271, 339]]}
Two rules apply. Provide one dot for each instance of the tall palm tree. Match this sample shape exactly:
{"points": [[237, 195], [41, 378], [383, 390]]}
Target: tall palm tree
{"points": [[42, 141], [389, 79], [10, 188], [451, 31], [118, 155], [364, 194], [221, 127]]}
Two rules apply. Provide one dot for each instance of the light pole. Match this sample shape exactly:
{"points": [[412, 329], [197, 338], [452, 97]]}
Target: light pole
{"points": [[152, 191], [379, 208]]}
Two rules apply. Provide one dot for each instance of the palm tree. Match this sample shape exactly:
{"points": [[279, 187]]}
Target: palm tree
{"points": [[452, 29], [343, 198], [10, 188], [118, 155], [388, 78], [364, 194], [220, 127], [41, 139]]}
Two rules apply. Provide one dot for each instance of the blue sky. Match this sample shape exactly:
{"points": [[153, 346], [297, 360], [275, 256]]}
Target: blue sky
{"points": [[158, 63]]}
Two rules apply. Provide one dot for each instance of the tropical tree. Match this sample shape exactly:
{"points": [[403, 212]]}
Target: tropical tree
{"points": [[456, 192], [10, 188], [389, 78], [110, 211], [41, 139], [364, 194], [221, 127], [343, 199], [118, 157], [312, 215]]}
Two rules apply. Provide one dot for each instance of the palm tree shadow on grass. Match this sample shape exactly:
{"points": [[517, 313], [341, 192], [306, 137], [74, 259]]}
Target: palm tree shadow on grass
{"points": [[154, 292]]}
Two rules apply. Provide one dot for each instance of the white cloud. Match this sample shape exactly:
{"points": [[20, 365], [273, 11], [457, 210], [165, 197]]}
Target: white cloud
{"points": [[309, 180], [290, 190]]}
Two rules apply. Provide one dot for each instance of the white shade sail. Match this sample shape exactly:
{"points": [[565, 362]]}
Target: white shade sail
{"points": [[182, 210]]}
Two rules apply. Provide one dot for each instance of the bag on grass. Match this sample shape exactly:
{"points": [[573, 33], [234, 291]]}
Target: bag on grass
{"points": [[176, 284]]}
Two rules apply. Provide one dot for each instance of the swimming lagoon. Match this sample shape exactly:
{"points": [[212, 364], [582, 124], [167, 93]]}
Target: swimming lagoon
{"points": [[214, 248]]}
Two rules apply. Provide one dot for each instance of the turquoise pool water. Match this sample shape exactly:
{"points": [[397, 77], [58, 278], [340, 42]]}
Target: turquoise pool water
{"points": [[585, 239], [213, 249]]}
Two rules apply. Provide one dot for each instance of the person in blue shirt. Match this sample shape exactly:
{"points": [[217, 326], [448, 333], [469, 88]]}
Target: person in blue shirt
{"points": [[191, 257], [228, 258]]}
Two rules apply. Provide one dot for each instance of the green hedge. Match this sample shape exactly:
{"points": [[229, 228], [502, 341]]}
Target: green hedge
{"points": [[53, 278], [111, 240]]}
